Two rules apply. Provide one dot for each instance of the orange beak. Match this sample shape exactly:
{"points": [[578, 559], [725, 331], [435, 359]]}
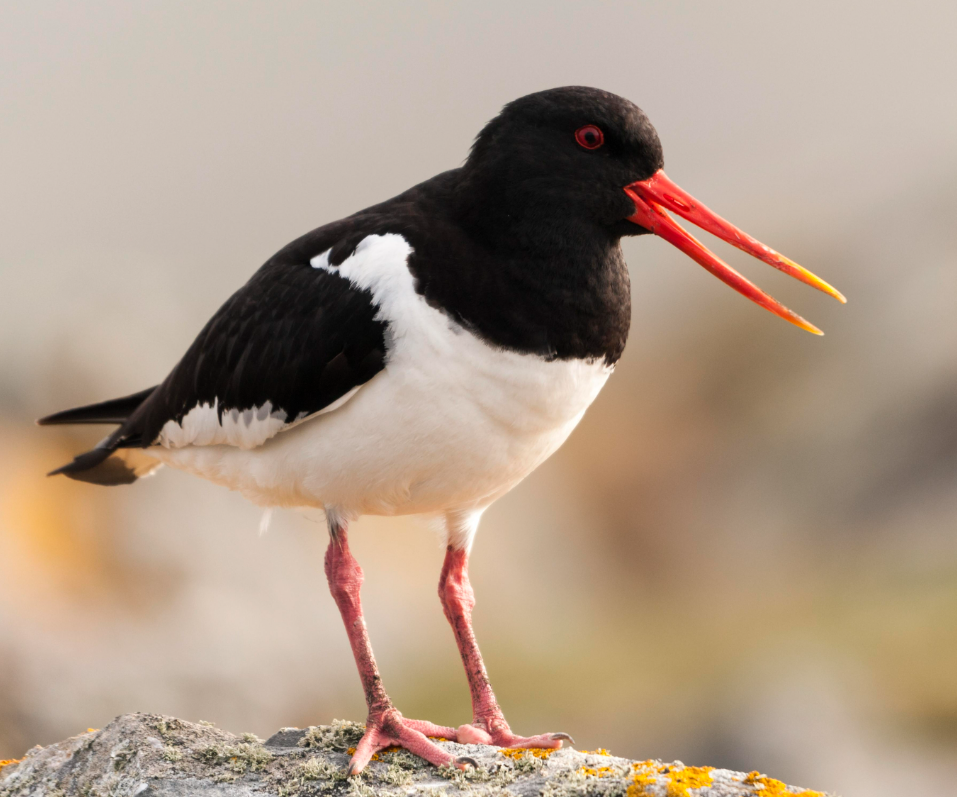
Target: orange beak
{"points": [[652, 197]]}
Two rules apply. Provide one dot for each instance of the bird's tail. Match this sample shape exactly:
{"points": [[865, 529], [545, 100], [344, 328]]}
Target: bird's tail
{"points": [[114, 460], [113, 411]]}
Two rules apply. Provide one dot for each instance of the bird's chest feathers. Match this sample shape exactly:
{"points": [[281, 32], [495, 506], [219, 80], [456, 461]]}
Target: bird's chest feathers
{"points": [[446, 371], [451, 420]]}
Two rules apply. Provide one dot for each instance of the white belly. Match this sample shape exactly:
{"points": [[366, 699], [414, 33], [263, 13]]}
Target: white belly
{"points": [[451, 423]]}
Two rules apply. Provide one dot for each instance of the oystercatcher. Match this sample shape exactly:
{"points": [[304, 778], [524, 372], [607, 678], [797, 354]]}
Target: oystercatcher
{"points": [[424, 355]]}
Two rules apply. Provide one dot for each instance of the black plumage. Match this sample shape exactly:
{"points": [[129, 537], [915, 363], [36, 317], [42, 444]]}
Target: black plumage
{"points": [[295, 337], [112, 411], [520, 246]]}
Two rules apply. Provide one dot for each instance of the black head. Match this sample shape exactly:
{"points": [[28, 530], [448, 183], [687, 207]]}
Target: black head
{"points": [[565, 155], [574, 169]]}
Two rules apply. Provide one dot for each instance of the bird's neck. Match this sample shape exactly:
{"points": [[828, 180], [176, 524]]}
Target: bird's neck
{"points": [[530, 220], [526, 277]]}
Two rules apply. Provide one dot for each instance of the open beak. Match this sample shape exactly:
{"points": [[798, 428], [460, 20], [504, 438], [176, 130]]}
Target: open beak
{"points": [[652, 197]]}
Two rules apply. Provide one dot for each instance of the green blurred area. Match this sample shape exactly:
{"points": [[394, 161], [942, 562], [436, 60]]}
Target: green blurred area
{"points": [[746, 555]]}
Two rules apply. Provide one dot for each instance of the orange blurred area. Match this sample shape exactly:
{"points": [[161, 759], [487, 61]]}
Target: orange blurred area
{"points": [[746, 555]]}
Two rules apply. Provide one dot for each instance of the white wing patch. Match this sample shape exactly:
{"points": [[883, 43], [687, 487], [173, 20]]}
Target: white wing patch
{"points": [[371, 266], [202, 426], [379, 265], [250, 428]]}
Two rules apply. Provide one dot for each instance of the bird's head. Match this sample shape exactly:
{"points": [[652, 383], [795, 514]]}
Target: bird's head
{"points": [[575, 159]]}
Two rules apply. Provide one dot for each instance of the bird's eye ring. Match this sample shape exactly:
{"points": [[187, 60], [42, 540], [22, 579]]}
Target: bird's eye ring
{"points": [[589, 137]]}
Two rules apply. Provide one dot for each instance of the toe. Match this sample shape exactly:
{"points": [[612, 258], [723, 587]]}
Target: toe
{"points": [[563, 737], [431, 729], [374, 740], [391, 728], [419, 744], [470, 734], [370, 743], [360, 758], [547, 741]]}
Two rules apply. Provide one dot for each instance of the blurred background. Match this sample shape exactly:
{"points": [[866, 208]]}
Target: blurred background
{"points": [[746, 555]]}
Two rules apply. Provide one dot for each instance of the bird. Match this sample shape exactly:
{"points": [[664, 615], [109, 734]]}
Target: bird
{"points": [[426, 354]]}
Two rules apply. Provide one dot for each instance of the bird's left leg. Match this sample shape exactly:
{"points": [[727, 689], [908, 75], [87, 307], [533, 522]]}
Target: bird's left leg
{"points": [[488, 723], [385, 726]]}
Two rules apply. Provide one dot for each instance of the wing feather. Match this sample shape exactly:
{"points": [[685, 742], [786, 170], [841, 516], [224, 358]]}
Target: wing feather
{"points": [[291, 342]]}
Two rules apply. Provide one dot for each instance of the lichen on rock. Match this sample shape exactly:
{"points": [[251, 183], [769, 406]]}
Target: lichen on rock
{"points": [[144, 755]]}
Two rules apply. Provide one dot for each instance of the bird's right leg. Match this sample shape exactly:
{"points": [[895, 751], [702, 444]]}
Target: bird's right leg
{"points": [[488, 723], [385, 726]]}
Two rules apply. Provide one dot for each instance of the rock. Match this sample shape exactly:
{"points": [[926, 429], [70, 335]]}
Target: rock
{"points": [[145, 755]]}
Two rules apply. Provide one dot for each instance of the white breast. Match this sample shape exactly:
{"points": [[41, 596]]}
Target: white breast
{"points": [[450, 423]]}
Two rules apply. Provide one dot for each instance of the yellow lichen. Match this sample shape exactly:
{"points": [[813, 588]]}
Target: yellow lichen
{"points": [[684, 778], [679, 778], [9, 761], [645, 774], [518, 753], [599, 772], [599, 751], [769, 787]]}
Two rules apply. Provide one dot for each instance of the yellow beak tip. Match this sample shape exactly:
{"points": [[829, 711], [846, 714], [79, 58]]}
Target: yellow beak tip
{"points": [[807, 326]]}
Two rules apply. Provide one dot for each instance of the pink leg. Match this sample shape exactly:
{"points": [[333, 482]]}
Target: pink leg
{"points": [[385, 726], [488, 723]]}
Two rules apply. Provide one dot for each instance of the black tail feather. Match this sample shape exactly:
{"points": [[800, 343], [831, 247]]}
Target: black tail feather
{"points": [[105, 464], [109, 467], [113, 411], [83, 462]]}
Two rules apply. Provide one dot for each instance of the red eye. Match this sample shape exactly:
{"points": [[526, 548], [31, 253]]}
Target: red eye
{"points": [[589, 137]]}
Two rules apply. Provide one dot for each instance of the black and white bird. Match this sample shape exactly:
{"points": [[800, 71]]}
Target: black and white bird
{"points": [[425, 355]]}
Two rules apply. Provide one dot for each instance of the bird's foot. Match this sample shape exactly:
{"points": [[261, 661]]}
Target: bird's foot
{"points": [[388, 728], [496, 732]]}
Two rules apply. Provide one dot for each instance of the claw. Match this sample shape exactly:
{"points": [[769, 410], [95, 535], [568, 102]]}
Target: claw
{"points": [[563, 737], [462, 760]]}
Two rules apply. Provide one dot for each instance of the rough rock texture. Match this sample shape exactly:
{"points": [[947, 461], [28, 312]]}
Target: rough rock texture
{"points": [[149, 756]]}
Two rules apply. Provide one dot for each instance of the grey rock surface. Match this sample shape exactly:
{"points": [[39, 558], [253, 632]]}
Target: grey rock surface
{"points": [[145, 755]]}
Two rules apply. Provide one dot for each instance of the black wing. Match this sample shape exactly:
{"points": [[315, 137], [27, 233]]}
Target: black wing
{"points": [[295, 338]]}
